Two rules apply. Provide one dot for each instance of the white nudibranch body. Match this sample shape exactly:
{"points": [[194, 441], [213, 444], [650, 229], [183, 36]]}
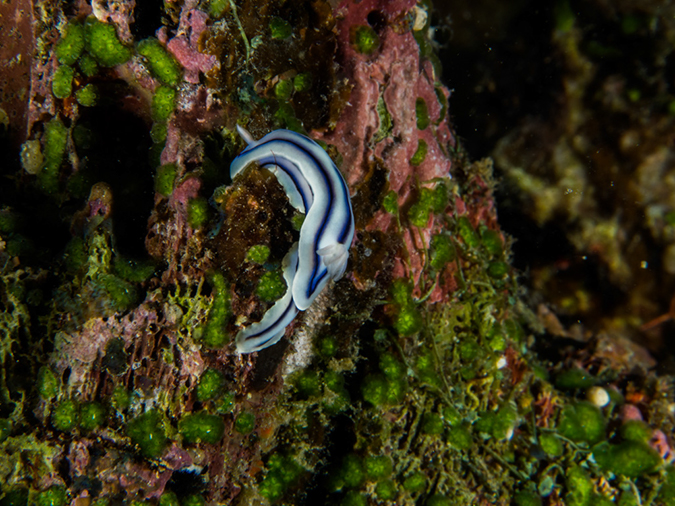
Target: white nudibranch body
{"points": [[316, 187]]}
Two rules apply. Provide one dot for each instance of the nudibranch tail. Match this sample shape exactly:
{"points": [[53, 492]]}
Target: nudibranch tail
{"points": [[273, 325], [314, 185]]}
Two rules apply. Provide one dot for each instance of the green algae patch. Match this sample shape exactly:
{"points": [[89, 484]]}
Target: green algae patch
{"points": [[629, 458], [467, 233], [551, 444], [636, 430], [386, 490], [498, 424], [354, 498], [214, 335], [162, 63], [193, 500], [442, 251], [302, 82], [282, 472], [202, 427], [88, 65], [163, 103], [432, 424], [65, 416], [71, 44], [62, 82], [53, 496], [165, 178], [258, 254], [245, 422], [390, 202], [582, 421], [497, 270], [416, 482], [271, 286], [48, 384], [363, 39], [122, 295], [283, 89], [422, 113], [147, 431], [573, 379], [103, 44], [526, 499], [459, 436], [211, 385], [280, 28], [198, 212], [308, 384], [87, 96], [54, 144], [378, 467], [420, 153], [492, 242], [92, 416], [168, 498]]}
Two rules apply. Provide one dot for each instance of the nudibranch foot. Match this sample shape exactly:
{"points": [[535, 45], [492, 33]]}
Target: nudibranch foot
{"points": [[335, 259]]}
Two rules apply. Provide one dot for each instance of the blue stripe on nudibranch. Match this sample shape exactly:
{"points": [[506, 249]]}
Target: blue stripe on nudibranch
{"points": [[314, 185]]}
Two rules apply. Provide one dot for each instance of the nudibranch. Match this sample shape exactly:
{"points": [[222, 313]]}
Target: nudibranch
{"points": [[315, 186]]}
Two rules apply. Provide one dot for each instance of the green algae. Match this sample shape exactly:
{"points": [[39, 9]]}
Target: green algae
{"points": [[258, 254], [198, 212], [71, 44], [364, 39], [214, 335], [147, 431], [102, 43], [582, 421], [422, 113], [53, 496], [165, 178], [92, 416], [271, 286], [420, 153], [87, 95], [628, 458], [202, 427], [65, 416], [210, 386], [163, 103], [62, 82], [280, 28], [245, 422], [162, 63], [54, 143], [48, 384]]}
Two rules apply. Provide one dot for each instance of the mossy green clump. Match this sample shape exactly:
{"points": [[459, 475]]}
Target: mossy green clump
{"points": [[168, 498], [65, 416], [103, 44], [48, 384], [271, 286], [379, 390], [147, 431], [15, 496], [467, 233], [62, 81], [210, 386], [459, 436], [408, 320], [572, 379], [214, 335], [667, 493], [53, 496], [198, 212], [87, 96], [498, 269], [422, 112], [258, 254], [162, 64], [245, 422], [415, 482], [582, 421], [364, 39], [378, 467], [636, 430], [386, 490], [282, 472], [134, 271], [283, 89], [551, 444], [54, 144], [432, 424], [71, 44], [280, 28], [354, 498], [302, 82], [430, 200], [352, 471], [392, 367], [629, 458], [163, 103], [390, 202], [498, 424], [92, 416], [420, 153], [524, 498], [202, 427], [165, 177], [88, 65], [218, 7], [193, 500], [308, 384], [439, 500], [122, 295], [442, 251], [492, 242]]}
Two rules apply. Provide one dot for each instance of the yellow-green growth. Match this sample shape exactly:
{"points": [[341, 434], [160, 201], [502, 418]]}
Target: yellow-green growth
{"points": [[55, 141], [198, 212], [363, 39], [420, 154], [280, 28], [214, 335], [551, 444], [62, 81], [164, 179], [575, 378], [498, 424], [302, 82], [492, 241], [53, 496], [390, 202], [432, 424], [258, 254], [158, 132], [88, 65], [459, 436], [121, 398], [163, 103], [147, 431], [202, 427], [92, 415], [134, 271], [168, 498], [103, 44], [211, 384], [5, 429], [65, 416], [194, 500], [271, 286], [378, 467], [354, 498], [308, 384], [582, 421], [629, 458], [442, 251], [467, 233], [218, 7], [283, 89], [162, 64], [245, 422], [636, 430], [87, 96], [48, 384], [386, 490], [498, 269], [352, 471], [122, 295], [282, 472], [422, 112], [524, 498], [69, 47], [416, 482]]}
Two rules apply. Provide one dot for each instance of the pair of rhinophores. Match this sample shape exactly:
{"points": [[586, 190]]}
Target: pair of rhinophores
{"points": [[315, 187]]}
